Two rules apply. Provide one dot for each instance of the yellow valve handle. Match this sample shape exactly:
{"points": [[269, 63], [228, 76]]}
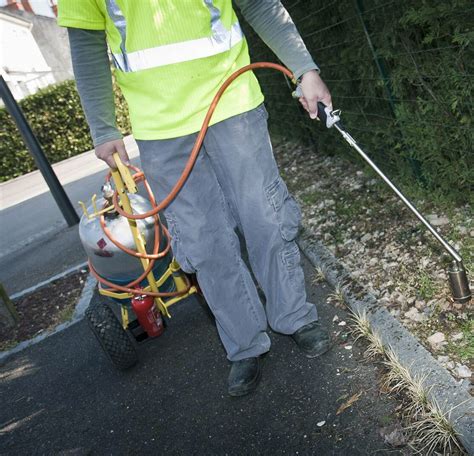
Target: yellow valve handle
{"points": [[125, 174]]}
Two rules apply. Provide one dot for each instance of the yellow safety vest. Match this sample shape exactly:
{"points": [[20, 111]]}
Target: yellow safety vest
{"points": [[171, 57]]}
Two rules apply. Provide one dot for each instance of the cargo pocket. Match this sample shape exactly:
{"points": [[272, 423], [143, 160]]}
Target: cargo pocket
{"points": [[287, 211], [176, 244], [291, 259]]}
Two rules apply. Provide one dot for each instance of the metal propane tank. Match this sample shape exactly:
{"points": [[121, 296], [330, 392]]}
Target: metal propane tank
{"points": [[107, 259]]}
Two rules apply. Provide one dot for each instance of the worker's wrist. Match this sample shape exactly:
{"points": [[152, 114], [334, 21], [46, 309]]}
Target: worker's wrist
{"points": [[112, 136], [300, 72]]}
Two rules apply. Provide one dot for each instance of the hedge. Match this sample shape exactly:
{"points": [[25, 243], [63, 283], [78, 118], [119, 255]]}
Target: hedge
{"points": [[414, 119], [417, 125], [57, 119]]}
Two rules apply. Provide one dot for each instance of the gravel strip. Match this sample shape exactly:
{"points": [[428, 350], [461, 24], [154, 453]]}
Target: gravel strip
{"points": [[375, 237], [80, 307]]}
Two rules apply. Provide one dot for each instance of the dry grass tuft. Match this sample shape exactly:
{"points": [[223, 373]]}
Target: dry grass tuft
{"points": [[432, 431], [318, 276], [363, 329], [337, 295], [399, 380], [429, 428]]}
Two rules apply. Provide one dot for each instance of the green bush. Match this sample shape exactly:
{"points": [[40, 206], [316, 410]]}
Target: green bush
{"points": [[56, 117], [418, 125]]}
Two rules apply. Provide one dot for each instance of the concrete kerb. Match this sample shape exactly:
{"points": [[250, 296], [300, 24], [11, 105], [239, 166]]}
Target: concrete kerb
{"points": [[451, 396], [51, 279], [81, 306]]}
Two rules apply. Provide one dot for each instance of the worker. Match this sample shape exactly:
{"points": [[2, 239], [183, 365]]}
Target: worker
{"points": [[170, 58]]}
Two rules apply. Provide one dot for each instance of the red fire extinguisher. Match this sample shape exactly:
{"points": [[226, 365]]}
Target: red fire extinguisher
{"points": [[148, 315]]}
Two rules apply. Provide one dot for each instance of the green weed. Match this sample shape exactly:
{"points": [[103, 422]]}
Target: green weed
{"points": [[66, 313], [427, 287]]}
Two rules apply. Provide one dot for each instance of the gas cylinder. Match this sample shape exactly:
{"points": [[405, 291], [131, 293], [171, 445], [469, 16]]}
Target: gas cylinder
{"points": [[107, 259], [148, 315]]}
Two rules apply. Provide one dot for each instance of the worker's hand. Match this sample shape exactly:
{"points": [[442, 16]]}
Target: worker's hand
{"points": [[314, 89], [106, 150]]}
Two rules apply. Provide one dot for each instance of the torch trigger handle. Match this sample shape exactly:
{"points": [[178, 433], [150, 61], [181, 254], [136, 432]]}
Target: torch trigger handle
{"points": [[328, 117]]}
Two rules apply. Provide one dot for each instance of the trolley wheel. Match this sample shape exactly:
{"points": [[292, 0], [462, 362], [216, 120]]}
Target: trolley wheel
{"points": [[114, 340]]}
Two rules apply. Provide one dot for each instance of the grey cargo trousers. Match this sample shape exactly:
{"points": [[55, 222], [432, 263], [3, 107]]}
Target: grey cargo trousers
{"points": [[235, 185]]}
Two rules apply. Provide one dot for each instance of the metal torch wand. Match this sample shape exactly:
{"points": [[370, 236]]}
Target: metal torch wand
{"points": [[457, 274]]}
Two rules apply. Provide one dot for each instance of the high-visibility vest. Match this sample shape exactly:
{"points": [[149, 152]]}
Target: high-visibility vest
{"points": [[171, 56]]}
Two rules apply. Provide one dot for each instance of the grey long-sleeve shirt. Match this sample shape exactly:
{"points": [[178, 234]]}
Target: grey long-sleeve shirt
{"points": [[90, 61]]}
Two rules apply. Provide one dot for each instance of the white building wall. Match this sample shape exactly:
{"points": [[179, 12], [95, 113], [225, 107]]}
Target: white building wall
{"points": [[39, 7], [21, 61]]}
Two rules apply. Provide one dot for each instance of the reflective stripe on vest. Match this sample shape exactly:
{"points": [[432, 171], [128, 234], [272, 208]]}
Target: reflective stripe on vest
{"points": [[115, 13], [221, 40]]}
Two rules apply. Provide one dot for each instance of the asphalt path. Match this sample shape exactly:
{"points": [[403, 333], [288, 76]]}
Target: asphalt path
{"points": [[28, 211], [62, 397], [35, 242]]}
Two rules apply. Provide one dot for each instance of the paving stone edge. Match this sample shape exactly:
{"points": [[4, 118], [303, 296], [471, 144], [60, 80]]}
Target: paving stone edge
{"points": [[451, 396]]}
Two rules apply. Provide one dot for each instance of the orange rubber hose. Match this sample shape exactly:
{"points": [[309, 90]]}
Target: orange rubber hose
{"points": [[156, 208], [138, 291], [198, 143], [139, 177]]}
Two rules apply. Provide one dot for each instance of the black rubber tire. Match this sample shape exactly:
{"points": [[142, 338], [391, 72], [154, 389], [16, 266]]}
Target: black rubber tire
{"points": [[114, 340]]}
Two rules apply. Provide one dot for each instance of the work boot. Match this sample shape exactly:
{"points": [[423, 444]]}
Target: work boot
{"points": [[312, 339], [244, 376]]}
